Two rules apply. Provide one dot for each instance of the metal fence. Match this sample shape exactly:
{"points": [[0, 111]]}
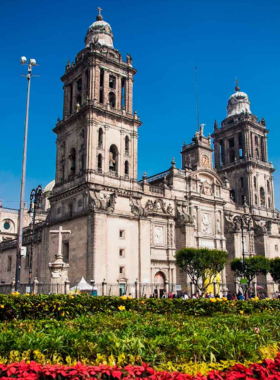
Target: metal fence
{"points": [[140, 290]]}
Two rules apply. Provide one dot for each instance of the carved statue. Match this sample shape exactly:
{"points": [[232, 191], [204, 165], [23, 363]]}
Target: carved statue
{"points": [[206, 188]]}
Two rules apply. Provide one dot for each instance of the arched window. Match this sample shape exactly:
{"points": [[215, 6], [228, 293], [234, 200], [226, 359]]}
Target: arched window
{"points": [[262, 196], [232, 195], [256, 200], [241, 182], [269, 202], [112, 99], [268, 186], [126, 143], [255, 182], [100, 137], [99, 163], [113, 158], [256, 140], [72, 158], [126, 168]]}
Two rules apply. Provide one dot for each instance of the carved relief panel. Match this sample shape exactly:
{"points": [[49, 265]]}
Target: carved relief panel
{"points": [[158, 235], [206, 224]]}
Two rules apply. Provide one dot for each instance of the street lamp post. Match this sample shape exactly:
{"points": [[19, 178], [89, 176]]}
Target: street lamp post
{"points": [[243, 220], [28, 76], [35, 203]]}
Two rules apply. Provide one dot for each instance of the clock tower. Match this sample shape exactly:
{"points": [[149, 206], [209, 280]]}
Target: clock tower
{"points": [[198, 154]]}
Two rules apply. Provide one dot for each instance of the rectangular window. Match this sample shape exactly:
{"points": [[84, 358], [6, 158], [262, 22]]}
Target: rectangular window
{"points": [[276, 248], [121, 270], [122, 234], [65, 251], [121, 252], [9, 264]]}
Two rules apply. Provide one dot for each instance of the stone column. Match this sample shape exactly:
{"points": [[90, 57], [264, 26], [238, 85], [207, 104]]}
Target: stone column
{"points": [[265, 148], [66, 101], [96, 84], [106, 87], [59, 274]]}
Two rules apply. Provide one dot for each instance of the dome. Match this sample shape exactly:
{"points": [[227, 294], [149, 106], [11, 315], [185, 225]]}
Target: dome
{"points": [[100, 32], [238, 103], [49, 187]]}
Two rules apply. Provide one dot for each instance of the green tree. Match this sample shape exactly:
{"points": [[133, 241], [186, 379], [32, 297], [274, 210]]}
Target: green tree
{"points": [[201, 265], [275, 270], [254, 266]]}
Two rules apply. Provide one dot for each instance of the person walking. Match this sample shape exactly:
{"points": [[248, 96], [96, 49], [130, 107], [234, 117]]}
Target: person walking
{"points": [[229, 296]]}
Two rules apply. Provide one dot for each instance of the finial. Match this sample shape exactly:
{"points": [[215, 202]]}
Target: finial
{"points": [[99, 17], [144, 176], [173, 163], [216, 125], [237, 88]]}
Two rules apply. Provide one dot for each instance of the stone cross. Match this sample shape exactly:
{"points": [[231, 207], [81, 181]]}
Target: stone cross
{"points": [[99, 10], [60, 232]]}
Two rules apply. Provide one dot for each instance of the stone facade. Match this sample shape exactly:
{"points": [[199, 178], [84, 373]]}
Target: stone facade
{"points": [[125, 231]]}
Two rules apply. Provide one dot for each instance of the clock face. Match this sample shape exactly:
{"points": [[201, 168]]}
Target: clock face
{"points": [[205, 160]]}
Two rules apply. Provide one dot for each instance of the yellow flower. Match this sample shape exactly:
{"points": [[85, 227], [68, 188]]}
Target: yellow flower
{"points": [[241, 312], [219, 299], [2, 306], [267, 299], [121, 307], [256, 298], [224, 299], [129, 297], [123, 298], [63, 314], [213, 299], [232, 304]]}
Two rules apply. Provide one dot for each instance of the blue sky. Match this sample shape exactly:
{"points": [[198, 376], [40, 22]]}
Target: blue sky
{"points": [[167, 39]]}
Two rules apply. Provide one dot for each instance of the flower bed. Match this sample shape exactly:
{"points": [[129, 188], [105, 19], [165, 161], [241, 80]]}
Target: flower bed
{"points": [[169, 342], [63, 306], [34, 371]]}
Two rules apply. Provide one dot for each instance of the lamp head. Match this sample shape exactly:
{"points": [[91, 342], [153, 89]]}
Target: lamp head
{"points": [[32, 62], [23, 60]]}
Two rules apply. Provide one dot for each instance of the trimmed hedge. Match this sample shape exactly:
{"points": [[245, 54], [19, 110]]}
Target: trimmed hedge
{"points": [[268, 369], [71, 306]]}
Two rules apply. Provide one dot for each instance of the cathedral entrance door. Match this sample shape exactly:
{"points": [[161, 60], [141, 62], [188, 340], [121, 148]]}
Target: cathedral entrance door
{"points": [[159, 284], [122, 289]]}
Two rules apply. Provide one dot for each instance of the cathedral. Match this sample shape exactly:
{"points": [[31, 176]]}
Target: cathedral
{"points": [[125, 232]]}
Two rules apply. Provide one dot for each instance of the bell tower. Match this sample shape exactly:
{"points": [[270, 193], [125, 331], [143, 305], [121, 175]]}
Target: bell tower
{"points": [[240, 151], [97, 137]]}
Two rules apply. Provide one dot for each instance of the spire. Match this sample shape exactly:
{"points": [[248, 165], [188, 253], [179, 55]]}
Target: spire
{"points": [[237, 88], [99, 17]]}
